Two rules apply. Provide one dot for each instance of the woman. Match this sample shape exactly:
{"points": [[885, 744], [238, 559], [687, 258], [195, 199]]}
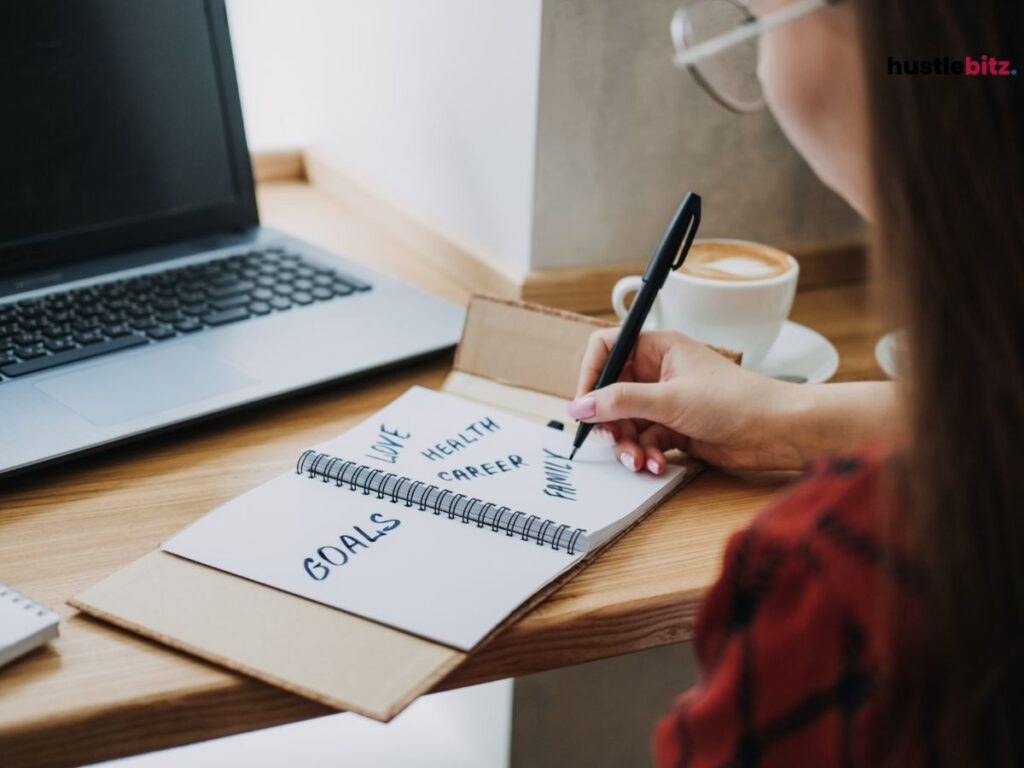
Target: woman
{"points": [[873, 615]]}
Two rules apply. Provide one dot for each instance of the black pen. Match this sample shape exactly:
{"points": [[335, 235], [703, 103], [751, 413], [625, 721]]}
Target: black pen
{"points": [[669, 255]]}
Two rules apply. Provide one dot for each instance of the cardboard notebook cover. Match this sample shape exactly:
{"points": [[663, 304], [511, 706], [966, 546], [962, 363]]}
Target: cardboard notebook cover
{"points": [[512, 355]]}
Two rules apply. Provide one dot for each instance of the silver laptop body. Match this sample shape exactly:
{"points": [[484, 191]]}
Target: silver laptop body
{"points": [[196, 344]]}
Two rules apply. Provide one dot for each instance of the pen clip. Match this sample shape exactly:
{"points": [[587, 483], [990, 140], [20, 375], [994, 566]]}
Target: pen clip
{"points": [[691, 231], [675, 243]]}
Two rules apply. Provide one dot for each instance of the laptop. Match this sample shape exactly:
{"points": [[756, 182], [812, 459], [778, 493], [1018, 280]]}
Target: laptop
{"points": [[137, 288]]}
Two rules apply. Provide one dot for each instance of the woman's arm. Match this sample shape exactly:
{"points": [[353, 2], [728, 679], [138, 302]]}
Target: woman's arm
{"points": [[827, 418], [677, 393]]}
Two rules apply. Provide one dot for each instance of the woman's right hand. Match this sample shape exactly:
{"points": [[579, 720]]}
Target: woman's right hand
{"points": [[677, 393]]}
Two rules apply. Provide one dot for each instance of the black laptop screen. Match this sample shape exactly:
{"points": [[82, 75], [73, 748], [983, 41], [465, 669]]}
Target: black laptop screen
{"points": [[120, 128]]}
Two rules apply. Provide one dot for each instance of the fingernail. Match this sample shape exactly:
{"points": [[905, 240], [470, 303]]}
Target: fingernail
{"points": [[604, 433], [583, 407], [628, 461], [652, 467]]}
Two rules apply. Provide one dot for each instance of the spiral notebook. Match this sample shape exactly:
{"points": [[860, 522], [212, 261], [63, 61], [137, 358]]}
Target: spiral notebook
{"points": [[24, 625], [430, 565], [438, 516]]}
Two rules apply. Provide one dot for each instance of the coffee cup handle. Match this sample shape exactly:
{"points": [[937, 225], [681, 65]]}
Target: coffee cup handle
{"points": [[623, 288]]}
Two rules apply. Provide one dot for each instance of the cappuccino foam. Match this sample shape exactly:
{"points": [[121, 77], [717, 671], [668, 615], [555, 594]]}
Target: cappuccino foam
{"points": [[728, 261]]}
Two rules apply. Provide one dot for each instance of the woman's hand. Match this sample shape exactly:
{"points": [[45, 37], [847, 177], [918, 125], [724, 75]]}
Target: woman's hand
{"points": [[677, 393]]}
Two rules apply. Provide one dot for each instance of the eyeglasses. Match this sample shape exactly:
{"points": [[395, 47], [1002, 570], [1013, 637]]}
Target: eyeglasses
{"points": [[716, 40]]}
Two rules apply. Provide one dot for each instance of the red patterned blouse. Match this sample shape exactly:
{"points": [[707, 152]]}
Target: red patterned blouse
{"points": [[792, 639]]}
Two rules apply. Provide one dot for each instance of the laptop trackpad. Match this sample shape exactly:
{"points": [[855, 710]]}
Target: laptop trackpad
{"points": [[131, 387]]}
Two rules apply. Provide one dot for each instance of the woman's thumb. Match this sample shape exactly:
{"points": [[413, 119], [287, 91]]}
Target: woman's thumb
{"points": [[624, 400]]}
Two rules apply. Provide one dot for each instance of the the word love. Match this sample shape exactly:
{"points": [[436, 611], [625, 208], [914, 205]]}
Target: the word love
{"points": [[388, 445]]}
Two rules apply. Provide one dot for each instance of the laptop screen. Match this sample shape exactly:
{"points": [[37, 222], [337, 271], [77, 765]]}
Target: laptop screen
{"points": [[121, 129]]}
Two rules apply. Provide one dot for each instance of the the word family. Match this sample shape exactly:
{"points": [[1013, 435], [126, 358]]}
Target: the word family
{"points": [[558, 476]]}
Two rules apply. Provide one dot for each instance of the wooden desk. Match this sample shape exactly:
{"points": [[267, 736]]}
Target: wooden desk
{"points": [[99, 693]]}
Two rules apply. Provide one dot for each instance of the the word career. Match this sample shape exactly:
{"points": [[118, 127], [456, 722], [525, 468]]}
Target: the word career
{"points": [[497, 467]]}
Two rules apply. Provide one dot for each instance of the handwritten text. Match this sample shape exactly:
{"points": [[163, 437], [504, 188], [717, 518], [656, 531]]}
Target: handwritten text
{"points": [[319, 568], [465, 438], [389, 442], [483, 470], [558, 474]]}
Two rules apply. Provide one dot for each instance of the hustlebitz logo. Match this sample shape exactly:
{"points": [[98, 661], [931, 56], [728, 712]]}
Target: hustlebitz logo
{"points": [[969, 66]]}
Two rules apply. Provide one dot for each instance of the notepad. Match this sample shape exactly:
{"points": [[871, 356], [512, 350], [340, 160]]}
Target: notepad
{"points": [[24, 624], [438, 516]]}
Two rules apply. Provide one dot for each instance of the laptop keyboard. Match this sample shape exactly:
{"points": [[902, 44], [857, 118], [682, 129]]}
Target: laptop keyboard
{"points": [[61, 328]]}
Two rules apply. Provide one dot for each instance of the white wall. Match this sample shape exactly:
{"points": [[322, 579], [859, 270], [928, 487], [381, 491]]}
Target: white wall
{"points": [[431, 104], [278, 70], [536, 143]]}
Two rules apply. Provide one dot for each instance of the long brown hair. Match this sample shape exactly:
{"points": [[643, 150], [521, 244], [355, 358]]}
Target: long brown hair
{"points": [[949, 215]]}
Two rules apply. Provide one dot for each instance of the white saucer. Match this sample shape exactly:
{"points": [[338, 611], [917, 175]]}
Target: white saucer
{"points": [[800, 354], [887, 353]]}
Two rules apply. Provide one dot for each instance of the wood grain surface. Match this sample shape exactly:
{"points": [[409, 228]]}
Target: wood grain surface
{"points": [[98, 692]]}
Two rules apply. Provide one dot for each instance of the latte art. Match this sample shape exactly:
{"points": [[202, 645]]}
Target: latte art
{"points": [[733, 294], [739, 261]]}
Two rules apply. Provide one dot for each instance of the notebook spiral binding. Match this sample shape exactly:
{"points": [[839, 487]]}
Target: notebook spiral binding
{"points": [[440, 501], [17, 598]]}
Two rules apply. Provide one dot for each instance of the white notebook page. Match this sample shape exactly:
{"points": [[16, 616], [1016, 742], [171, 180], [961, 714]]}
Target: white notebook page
{"points": [[478, 450], [423, 573]]}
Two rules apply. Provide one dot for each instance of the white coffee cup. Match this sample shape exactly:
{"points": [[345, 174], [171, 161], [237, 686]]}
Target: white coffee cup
{"points": [[730, 293]]}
